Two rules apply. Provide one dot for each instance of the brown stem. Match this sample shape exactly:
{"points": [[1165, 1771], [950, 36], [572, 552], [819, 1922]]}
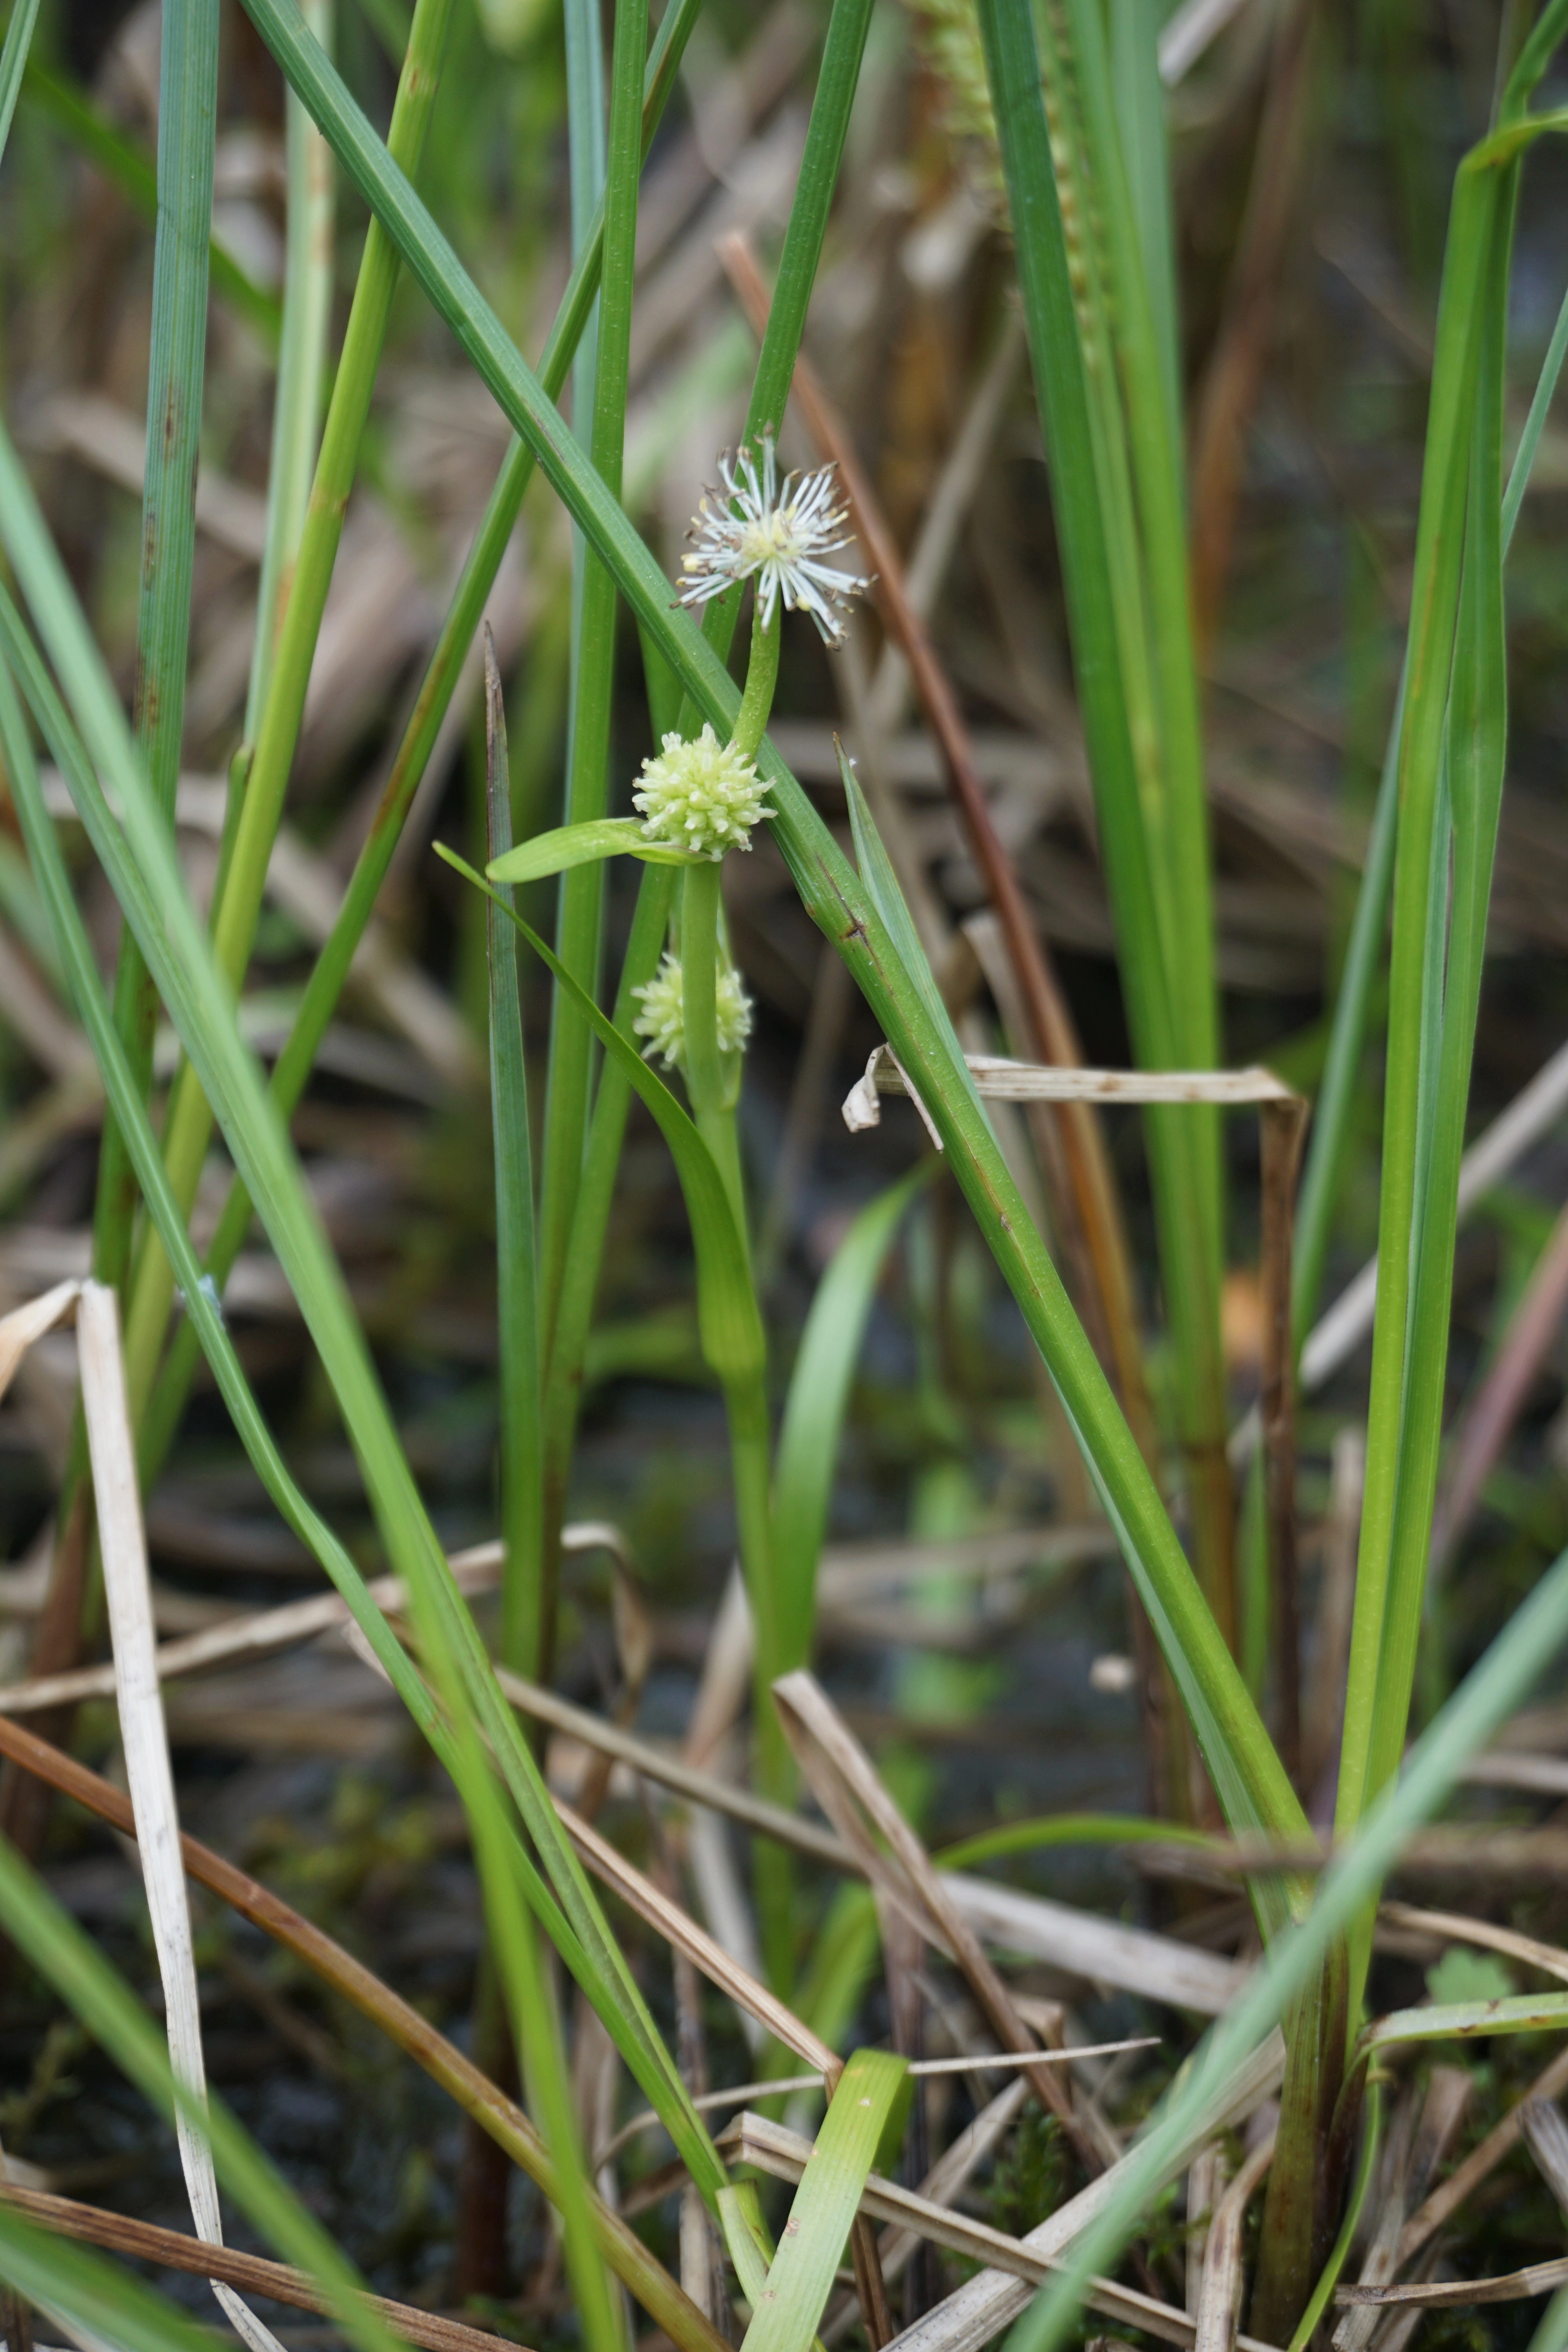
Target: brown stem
{"points": [[251, 2273]]}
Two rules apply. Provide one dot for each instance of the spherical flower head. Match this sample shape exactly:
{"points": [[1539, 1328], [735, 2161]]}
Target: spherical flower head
{"points": [[703, 795], [662, 1020], [755, 527]]}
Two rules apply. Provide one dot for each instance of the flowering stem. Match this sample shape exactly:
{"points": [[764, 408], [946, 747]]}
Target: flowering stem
{"points": [[762, 677], [745, 1395], [705, 1077]]}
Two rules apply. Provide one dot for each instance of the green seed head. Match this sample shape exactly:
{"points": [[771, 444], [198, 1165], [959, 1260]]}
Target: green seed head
{"points": [[703, 796], [662, 1020]]}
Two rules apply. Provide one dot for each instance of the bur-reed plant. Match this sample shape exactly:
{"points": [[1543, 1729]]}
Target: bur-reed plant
{"points": [[1072, 101]]}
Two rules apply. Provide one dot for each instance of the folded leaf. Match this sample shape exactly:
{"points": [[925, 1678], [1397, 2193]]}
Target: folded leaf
{"points": [[579, 845]]}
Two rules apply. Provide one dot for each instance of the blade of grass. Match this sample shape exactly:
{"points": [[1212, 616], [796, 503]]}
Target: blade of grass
{"points": [[1477, 747], [599, 406], [790, 2304], [1154, 876], [1324, 1170], [1433, 613]]}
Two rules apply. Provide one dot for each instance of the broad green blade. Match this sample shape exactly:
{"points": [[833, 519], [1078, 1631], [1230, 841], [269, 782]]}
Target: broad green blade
{"points": [[789, 2308], [1468, 2021]]}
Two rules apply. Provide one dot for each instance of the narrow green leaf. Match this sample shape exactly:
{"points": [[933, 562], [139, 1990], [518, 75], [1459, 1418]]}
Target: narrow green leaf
{"points": [[1465, 2020], [600, 395], [307, 278], [582, 844], [1434, 611]]}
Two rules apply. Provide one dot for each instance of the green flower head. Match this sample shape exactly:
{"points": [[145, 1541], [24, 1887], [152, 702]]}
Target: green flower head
{"points": [[703, 795]]}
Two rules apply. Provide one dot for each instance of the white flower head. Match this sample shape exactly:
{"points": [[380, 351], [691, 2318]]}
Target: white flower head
{"points": [[703, 795], [662, 1020], [779, 534]]}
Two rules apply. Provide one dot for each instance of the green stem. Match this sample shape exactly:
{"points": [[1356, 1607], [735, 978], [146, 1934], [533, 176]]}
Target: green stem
{"points": [[590, 1223], [699, 899], [762, 681], [745, 1399], [189, 1123]]}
